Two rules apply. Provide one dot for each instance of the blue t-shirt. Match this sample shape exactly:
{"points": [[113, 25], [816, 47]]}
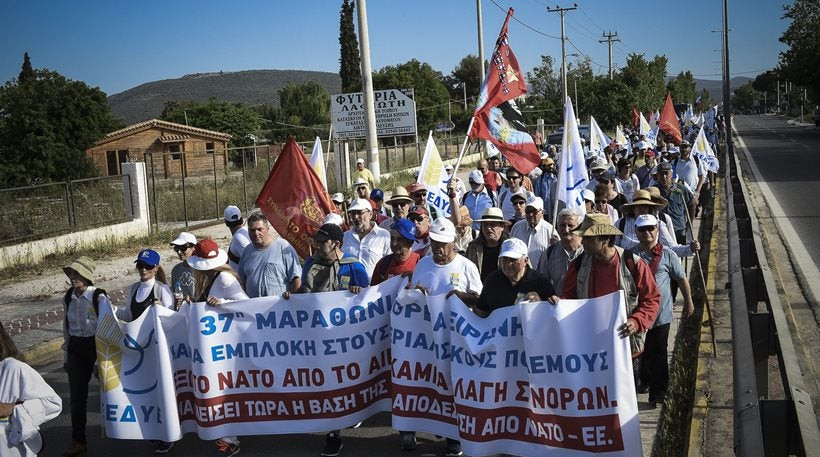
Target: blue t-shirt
{"points": [[351, 273], [268, 272], [669, 269]]}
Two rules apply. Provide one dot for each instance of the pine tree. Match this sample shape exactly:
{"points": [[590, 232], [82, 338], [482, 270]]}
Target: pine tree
{"points": [[349, 65], [26, 73]]}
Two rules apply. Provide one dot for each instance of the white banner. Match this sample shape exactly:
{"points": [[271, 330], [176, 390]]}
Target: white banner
{"points": [[521, 381], [434, 177]]}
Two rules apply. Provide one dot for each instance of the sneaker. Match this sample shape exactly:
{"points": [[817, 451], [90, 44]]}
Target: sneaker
{"points": [[226, 449], [453, 448], [162, 447], [333, 445], [408, 441], [643, 388]]}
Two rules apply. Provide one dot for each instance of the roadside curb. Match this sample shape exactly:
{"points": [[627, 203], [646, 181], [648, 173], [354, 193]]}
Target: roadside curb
{"points": [[41, 352]]}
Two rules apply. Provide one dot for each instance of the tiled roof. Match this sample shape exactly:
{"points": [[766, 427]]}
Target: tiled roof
{"points": [[173, 138], [165, 125]]}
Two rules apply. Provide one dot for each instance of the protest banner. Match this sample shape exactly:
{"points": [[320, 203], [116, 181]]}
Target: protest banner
{"points": [[519, 382]]}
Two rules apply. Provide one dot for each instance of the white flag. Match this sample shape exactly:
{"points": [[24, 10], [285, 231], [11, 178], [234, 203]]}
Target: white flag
{"points": [[572, 169], [597, 138], [620, 138], [703, 151], [434, 177], [317, 161], [647, 130]]}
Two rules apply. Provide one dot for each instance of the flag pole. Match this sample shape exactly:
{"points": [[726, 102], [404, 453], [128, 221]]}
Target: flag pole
{"points": [[463, 148], [554, 198]]}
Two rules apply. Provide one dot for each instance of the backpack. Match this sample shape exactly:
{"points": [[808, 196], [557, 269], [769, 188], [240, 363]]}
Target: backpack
{"points": [[95, 301]]}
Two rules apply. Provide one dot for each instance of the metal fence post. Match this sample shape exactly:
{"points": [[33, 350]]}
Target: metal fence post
{"points": [[244, 185], [154, 187], [216, 196], [70, 204]]}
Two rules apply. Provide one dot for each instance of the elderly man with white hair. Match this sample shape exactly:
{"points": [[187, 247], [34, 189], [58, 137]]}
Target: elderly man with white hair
{"points": [[534, 230], [554, 262], [365, 240]]}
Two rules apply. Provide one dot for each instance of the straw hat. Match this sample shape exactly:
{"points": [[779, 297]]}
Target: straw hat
{"points": [[655, 195], [399, 195], [596, 224], [642, 197], [84, 267], [493, 214]]}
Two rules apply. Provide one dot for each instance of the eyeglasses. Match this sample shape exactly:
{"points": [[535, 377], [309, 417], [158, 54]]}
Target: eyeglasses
{"points": [[420, 193], [648, 228], [145, 266]]}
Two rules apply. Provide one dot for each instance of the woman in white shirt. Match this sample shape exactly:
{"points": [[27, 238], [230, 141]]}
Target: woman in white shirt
{"points": [[215, 283], [81, 303], [26, 402], [152, 288]]}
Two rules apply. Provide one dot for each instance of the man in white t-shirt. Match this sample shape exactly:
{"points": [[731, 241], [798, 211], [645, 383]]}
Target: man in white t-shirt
{"points": [[444, 272], [239, 238], [689, 169]]}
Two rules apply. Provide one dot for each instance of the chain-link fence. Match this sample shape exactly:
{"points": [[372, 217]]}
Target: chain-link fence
{"points": [[35, 212]]}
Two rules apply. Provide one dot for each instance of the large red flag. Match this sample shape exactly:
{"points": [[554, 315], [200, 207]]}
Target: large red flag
{"points": [[294, 199], [497, 117], [669, 120]]}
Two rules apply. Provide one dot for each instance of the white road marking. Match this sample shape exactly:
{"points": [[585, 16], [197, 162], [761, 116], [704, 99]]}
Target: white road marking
{"points": [[807, 269]]}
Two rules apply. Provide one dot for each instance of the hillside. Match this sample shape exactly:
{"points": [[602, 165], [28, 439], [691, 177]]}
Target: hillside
{"points": [[715, 87], [252, 87]]}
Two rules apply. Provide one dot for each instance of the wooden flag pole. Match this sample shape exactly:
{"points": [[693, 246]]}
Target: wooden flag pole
{"points": [[463, 148]]}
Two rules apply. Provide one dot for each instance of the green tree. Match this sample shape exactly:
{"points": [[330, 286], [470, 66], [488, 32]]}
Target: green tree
{"points": [[233, 118], [468, 71], [682, 87], [430, 93], [349, 64], [543, 94], [46, 123], [645, 78], [745, 96], [580, 76], [609, 101], [306, 104], [706, 100], [801, 62], [26, 72]]}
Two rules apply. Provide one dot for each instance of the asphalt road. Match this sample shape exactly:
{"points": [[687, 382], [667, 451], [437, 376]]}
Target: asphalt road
{"points": [[374, 438], [787, 159]]}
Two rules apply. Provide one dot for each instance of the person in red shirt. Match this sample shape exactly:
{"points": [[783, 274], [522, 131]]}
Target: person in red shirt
{"points": [[598, 272], [492, 180], [402, 260]]}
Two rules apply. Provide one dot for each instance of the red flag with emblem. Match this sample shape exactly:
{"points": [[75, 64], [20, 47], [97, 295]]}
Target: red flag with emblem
{"points": [[294, 199], [668, 123], [497, 117]]}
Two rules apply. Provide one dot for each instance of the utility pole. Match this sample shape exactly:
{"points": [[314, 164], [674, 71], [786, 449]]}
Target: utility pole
{"points": [[562, 12], [464, 87], [610, 38], [727, 96], [480, 38], [367, 90]]}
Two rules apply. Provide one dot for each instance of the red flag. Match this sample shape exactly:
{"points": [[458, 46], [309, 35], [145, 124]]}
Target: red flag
{"points": [[669, 123], [636, 118], [497, 117], [294, 199]]}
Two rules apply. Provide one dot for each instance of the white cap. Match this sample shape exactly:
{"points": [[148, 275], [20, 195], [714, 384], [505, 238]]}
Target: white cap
{"points": [[442, 230], [183, 239], [476, 177], [232, 214], [359, 182], [338, 197], [535, 202], [360, 204], [333, 218], [513, 248], [599, 165], [447, 166], [646, 220], [360, 160], [588, 195], [544, 155]]}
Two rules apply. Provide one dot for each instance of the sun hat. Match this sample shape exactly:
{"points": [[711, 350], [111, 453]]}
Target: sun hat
{"points": [[338, 197], [513, 248], [442, 230], [84, 267], [360, 204], [655, 195], [646, 220], [598, 165], [148, 257], [406, 228], [329, 231], [596, 224], [493, 214], [207, 256], [360, 160], [642, 197], [476, 177], [547, 160], [399, 195], [183, 239], [232, 214]]}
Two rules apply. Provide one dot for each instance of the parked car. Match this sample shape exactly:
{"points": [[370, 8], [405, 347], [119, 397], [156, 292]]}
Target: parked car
{"points": [[557, 136]]}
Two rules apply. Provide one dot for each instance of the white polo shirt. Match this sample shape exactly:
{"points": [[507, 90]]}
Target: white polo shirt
{"points": [[368, 249]]}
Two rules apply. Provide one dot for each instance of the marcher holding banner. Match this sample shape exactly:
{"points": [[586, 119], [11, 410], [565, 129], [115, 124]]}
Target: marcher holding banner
{"points": [[402, 260], [269, 265]]}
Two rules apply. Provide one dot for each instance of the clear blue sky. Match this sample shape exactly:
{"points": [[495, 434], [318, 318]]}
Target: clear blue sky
{"points": [[118, 45]]}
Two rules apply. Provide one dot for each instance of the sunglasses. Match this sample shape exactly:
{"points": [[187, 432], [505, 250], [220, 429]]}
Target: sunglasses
{"points": [[649, 228], [519, 202], [513, 177], [400, 204], [145, 266], [416, 218], [182, 248], [482, 169], [420, 193]]}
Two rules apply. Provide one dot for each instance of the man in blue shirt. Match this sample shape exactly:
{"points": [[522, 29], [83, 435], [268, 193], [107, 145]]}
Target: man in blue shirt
{"points": [[545, 184], [268, 266], [478, 199]]}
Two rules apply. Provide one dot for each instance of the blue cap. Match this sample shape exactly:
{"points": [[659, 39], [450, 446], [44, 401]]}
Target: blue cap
{"points": [[377, 194], [406, 228], [148, 257]]}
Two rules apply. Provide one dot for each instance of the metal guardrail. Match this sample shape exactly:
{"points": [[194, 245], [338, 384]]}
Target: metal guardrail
{"points": [[763, 425]]}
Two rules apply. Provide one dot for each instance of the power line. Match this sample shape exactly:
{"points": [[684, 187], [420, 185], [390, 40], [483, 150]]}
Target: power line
{"points": [[525, 24]]}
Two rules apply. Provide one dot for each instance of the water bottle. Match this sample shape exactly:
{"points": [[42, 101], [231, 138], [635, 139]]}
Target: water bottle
{"points": [[178, 296]]}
